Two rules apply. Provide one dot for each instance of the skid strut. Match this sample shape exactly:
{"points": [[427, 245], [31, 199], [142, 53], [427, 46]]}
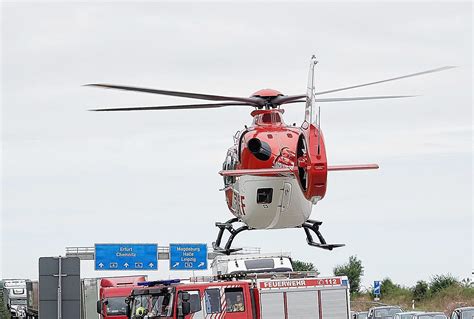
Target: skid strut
{"points": [[314, 226], [233, 232]]}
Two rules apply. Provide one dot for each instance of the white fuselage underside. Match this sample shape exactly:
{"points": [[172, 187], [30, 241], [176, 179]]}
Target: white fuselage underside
{"points": [[287, 208]]}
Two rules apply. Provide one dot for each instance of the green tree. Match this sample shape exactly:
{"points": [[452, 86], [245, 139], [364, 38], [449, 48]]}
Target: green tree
{"points": [[421, 290], [388, 287], [299, 265], [354, 272], [440, 282]]}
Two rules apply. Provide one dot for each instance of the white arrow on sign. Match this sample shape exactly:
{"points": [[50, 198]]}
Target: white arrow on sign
{"points": [[101, 265], [201, 264], [176, 265], [151, 265], [125, 265]]}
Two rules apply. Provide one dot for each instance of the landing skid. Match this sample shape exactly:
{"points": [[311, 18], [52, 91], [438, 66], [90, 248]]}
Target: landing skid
{"points": [[233, 232], [314, 226], [308, 226]]}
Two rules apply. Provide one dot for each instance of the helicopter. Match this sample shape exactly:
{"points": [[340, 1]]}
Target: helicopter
{"points": [[274, 172]]}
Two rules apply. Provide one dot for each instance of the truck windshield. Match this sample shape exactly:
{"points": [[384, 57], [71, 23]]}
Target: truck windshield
{"points": [[116, 306], [387, 312], [153, 306]]}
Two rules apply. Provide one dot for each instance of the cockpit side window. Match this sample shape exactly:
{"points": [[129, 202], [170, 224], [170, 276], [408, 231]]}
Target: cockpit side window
{"points": [[230, 163]]}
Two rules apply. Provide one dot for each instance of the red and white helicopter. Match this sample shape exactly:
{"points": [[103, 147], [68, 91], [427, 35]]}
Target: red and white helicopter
{"points": [[274, 173]]}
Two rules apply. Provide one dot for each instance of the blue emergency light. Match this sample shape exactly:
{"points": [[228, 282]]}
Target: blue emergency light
{"points": [[159, 282]]}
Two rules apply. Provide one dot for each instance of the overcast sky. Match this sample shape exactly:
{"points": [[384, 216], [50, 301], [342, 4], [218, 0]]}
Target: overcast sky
{"points": [[75, 178]]}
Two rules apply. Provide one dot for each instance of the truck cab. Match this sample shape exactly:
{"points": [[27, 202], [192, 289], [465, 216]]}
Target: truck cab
{"points": [[113, 294], [169, 299]]}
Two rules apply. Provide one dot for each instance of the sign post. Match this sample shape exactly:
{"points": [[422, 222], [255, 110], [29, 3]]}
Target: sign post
{"points": [[188, 256], [126, 256]]}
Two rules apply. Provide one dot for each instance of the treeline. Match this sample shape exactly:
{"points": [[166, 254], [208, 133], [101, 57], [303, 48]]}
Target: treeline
{"points": [[425, 290], [441, 293]]}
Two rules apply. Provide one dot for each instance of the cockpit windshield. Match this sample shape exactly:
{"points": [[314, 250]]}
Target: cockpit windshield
{"points": [[152, 306], [268, 118]]}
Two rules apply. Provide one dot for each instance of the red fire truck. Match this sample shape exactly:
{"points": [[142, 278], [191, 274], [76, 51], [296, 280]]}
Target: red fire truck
{"points": [[285, 297]]}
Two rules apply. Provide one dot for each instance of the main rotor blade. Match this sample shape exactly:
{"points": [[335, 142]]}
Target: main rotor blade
{"points": [[287, 99], [169, 107], [253, 101], [357, 98], [360, 98], [387, 80]]}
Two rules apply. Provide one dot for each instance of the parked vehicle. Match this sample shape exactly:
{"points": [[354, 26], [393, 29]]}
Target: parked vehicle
{"points": [[406, 315], [463, 313], [252, 263], [383, 312], [16, 289], [258, 296], [430, 315], [359, 315]]}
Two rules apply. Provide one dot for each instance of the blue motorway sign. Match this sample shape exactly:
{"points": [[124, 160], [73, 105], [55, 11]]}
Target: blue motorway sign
{"points": [[188, 256], [377, 288], [126, 257]]}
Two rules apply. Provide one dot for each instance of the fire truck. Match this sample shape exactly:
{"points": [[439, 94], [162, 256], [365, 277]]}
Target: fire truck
{"points": [[255, 296]]}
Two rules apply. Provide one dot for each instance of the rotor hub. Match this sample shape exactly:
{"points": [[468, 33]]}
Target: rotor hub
{"points": [[267, 93]]}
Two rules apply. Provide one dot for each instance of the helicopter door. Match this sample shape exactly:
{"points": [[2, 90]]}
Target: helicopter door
{"points": [[285, 197]]}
